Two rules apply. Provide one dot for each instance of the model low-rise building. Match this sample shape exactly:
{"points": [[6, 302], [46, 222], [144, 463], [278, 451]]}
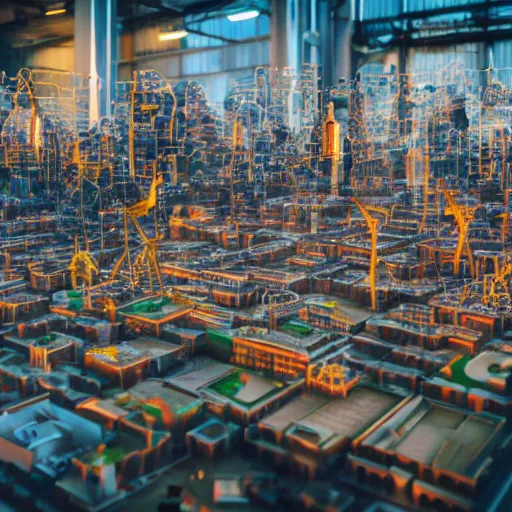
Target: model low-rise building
{"points": [[438, 455], [47, 350], [314, 431]]}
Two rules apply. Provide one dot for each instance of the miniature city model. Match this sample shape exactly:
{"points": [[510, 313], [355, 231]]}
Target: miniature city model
{"points": [[300, 302]]}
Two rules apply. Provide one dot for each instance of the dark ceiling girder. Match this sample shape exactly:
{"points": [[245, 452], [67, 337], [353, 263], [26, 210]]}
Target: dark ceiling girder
{"points": [[156, 4], [169, 13], [445, 40], [201, 33], [367, 31], [427, 13]]}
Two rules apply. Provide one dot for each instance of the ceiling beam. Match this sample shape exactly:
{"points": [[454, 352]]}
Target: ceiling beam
{"points": [[164, 13]]}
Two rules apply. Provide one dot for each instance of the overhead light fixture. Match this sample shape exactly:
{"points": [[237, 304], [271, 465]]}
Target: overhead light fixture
{"points": [[57, 8], [242, 16], [170, 36], [53, 12]]}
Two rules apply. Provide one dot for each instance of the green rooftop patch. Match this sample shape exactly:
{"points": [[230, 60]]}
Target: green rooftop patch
{"points": [[221, 337], [459, 375], [148, 306], [229, 385], [245, 388], [111, 456], [298, 328]]}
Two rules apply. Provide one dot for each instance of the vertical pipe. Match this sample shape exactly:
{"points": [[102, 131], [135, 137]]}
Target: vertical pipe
{"points": [[313, 51], [111, 64], [326, 22], [293, 34], [82, 36], [302, 15], [95, 52], [342, 42], [278, 34]]}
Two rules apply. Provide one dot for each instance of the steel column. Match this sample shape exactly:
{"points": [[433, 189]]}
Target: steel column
{"points": [[343, 42], [95, 52], [279, 34], [326, 40]]}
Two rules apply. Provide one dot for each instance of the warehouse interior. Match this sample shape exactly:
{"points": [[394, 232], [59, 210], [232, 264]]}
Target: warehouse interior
{"points": [[119, 37]]}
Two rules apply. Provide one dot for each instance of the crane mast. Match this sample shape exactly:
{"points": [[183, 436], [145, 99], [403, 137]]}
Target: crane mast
{"points": [[463, 216], [372, 224]]}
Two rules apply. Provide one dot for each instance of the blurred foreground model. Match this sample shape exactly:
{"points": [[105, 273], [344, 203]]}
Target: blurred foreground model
{"points": [[298, 301]]}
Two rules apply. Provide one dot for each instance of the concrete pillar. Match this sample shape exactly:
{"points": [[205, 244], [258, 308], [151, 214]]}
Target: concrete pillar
{"points": [[313, 31], [311, 35], [303, 14], [342, 42], [82, 36], [279, 34], [293, 34], [326, 40], [299, 24], [95, 52]]}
